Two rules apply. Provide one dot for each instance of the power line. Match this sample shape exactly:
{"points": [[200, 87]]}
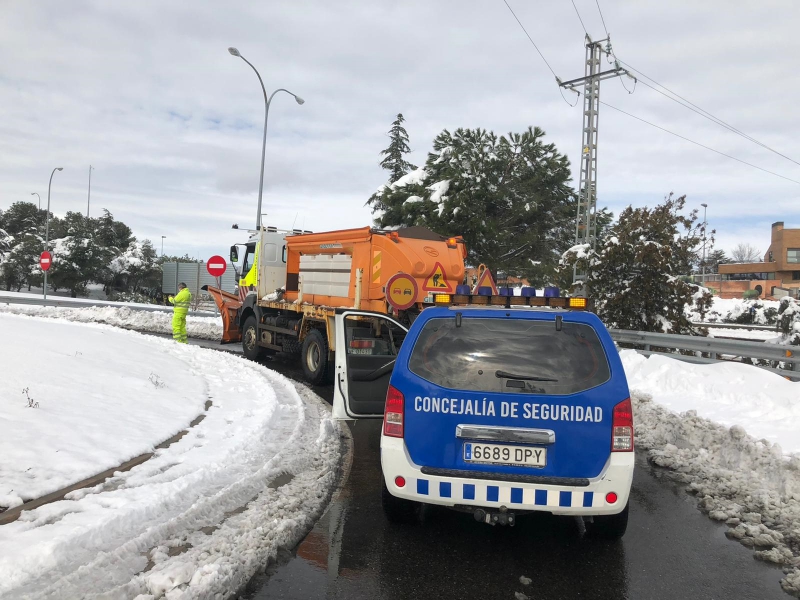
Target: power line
{"points": [[579, 18], [602, 19], [704, 113], [712, 117], [698, 143], [531, 39]]}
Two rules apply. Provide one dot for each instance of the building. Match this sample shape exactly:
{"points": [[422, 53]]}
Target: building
{"points": [[777, 276]]}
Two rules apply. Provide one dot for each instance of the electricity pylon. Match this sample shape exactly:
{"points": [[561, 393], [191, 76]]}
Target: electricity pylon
{"points": [[586, 223]]}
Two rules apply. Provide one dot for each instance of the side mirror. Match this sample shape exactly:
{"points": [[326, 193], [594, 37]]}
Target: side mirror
{"points": [[234, 254]]}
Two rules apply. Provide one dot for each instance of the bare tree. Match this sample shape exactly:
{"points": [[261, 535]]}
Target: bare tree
{"points": [[745, 253]]}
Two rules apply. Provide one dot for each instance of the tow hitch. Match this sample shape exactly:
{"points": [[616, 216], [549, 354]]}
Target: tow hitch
{"points": [[501, 517]]}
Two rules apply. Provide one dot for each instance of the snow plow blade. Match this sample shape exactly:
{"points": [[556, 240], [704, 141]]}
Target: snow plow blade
{"points": [[228, 305]]}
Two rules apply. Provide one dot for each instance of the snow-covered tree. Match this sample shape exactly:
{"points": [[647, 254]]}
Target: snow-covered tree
{"points": [[634, 280], [394, 156], [136, 269], [789, 320], [508, 196]]}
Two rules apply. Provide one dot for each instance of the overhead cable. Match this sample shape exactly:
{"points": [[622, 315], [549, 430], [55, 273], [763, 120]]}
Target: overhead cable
{"points": [[698, 143], [702, 112], [531, 39]]}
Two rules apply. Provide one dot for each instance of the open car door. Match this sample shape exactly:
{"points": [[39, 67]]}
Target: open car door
{"points": [[367, 344]]}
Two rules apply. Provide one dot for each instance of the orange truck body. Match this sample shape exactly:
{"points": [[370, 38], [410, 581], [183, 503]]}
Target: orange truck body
{"points": [[436, 266]]}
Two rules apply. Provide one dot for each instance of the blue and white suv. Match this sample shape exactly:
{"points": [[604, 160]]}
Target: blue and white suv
{"points": [[493, 411]]}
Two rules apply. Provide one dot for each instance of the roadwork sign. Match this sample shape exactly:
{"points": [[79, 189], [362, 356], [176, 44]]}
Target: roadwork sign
{"points": [[437, 281]]}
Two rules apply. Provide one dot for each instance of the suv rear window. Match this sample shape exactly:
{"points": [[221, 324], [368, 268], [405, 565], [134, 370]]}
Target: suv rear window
{"points": [[505, 355]]}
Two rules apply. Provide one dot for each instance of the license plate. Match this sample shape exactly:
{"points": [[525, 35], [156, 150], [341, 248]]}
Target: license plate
{"points": [[497, 454]]}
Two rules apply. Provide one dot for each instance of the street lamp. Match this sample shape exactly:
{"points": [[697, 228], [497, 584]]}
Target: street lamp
{"points": [[163, 237], [267, 101], [47, 223], [705, 226], [89, 196], [40, 199]]}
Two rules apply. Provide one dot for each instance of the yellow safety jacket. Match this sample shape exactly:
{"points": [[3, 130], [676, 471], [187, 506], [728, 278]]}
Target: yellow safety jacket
{"points": [[182, 301]]}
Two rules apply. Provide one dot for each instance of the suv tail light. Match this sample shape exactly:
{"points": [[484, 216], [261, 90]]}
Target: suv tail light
{"points": [[393, 415], [622, 427]]}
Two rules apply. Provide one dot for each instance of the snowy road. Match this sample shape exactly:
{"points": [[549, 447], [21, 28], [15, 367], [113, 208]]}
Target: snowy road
{"points": [[198, 518]]}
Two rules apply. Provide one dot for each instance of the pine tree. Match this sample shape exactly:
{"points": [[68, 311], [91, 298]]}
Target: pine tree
{"points": [[398, 148], [634, 280], [508, 196]]}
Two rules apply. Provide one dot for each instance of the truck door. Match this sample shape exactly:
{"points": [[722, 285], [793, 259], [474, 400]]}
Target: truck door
{"points": [[367, 344]]}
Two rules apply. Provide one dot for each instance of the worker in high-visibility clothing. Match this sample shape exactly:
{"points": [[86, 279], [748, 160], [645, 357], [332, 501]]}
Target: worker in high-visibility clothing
{"points": [[182, 301]]}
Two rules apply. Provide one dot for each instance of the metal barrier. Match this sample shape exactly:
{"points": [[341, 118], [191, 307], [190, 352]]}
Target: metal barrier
{"points": [[11, 298], [714, 348]]}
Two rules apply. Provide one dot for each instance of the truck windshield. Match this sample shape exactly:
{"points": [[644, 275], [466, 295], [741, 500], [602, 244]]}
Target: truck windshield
{"points": [[509, 356]]}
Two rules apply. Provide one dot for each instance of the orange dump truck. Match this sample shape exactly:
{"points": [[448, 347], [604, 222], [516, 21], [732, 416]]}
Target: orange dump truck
{"points": [[292, 283]]}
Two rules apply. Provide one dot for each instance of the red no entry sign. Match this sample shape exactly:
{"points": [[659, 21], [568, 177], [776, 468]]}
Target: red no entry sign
{"points": [[216, 266], [45, 260]]}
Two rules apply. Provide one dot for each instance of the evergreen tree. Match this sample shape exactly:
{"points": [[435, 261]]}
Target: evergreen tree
{"points": [[634, 279], [509, 197], [394, 160]]}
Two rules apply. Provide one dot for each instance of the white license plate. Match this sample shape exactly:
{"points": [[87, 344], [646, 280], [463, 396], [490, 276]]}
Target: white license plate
{"points": [[497, 454]]}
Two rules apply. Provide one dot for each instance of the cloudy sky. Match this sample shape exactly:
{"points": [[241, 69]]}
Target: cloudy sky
{"points": [[147, 93]]}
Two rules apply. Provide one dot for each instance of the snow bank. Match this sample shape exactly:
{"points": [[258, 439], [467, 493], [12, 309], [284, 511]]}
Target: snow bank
{"points": [[695, 419], [201, 516], [207, 328], [96, 407], [765, 404]]}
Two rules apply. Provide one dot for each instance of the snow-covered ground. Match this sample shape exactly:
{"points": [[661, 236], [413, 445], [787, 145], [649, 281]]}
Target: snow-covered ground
{"points": [[208, 328], [199, 517], [103, 397], [730, 431]]}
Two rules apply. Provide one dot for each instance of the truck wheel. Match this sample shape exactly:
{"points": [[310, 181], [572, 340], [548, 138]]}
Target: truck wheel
{"points": [[314, 357], [398, 510], [250, 339], [609, 527], [291, 346]]}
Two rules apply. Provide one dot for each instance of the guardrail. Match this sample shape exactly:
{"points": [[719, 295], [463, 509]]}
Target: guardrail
{"points": [[62, 302], [712, 350], [739, 326]]}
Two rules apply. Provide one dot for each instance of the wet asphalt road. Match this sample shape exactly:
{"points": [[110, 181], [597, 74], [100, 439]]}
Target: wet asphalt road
{"points": [[671, 550]]}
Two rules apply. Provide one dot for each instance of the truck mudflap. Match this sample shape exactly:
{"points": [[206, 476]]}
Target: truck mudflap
{"points": [[228, 305]]}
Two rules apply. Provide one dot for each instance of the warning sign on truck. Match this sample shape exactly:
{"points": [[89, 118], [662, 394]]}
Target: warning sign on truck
{"points": [[437, 281]]}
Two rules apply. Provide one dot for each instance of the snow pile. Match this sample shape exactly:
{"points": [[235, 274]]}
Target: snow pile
{"points": [[122, 403], [695, 420], [203, 514], [207, 328]]}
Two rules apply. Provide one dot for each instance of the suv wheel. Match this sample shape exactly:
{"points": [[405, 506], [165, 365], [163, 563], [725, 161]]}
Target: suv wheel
{"points": [[398, 510], [609, 527]]}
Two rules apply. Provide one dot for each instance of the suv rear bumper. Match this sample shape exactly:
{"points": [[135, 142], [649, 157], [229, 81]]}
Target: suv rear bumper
{"points": [[616, 477]]}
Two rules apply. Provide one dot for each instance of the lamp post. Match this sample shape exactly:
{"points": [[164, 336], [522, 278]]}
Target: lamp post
{"points": [[705, 226], [89, 196], [47, 223], [163, 237], [267, 101], [40, 199]]}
